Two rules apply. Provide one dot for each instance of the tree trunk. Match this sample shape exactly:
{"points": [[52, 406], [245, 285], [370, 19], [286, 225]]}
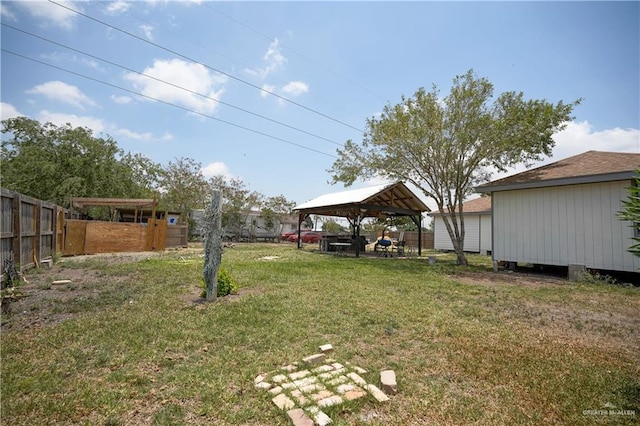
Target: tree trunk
{"points": [[456, 233], [461, 258], [213, 246]]}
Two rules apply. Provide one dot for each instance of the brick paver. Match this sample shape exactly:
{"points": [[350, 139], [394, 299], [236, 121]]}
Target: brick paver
{"points": [[303, 389]]}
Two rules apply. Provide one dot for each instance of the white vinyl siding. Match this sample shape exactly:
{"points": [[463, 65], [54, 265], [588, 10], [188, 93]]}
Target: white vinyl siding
{"points": [[472, 233], [564, 225], [485, 232]]}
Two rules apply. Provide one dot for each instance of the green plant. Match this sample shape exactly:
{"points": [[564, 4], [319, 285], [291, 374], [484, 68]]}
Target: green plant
{"points": [[226, 284], [131, 346], [594, 277]]}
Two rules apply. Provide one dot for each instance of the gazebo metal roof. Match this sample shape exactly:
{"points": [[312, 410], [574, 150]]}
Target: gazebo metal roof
{"points": [[384, 200], [381, 201]]}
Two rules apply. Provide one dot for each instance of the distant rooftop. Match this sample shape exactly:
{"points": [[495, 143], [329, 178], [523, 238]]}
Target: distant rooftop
{"points": [[477, 205]]}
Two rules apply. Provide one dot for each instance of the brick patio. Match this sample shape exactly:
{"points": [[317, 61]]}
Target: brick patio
{"points": [[303, 389]]}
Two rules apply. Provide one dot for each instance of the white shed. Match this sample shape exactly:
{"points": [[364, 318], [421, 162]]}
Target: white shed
{"points": [[477, 227], [565, 213]]}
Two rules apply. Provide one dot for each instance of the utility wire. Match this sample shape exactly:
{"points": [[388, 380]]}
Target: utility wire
{"points": [[171, 84], [265, 36], [247, 66], [207, 66], [168, 103]]}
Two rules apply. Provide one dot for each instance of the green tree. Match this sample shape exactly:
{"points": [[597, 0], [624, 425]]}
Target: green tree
{"points": [[238, 201], [145, 176], [274, 210], [332, 227], [55, 163], [184, 187], [404, 223], [446, 146], [631, 212]]}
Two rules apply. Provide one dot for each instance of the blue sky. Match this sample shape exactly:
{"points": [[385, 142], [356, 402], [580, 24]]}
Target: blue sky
{"points": [[341, 62]]}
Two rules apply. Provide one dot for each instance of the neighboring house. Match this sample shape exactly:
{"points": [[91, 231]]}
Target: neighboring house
{"points": [[477, 227], [565, 213], [253, 228]]}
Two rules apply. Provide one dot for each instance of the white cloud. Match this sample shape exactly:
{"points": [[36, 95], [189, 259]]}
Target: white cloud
{"points": [[191, 76], [268, 88], [147, 30], [143, 137], [579, 137], [62, 92], [154, 3], [50, 12], [215, 169], [117, 7], [59, 119], [166, 137], [130, 134], [6, 13], [65, 58], [289, 90], [295, 88], [274, 59], [121, 99], [8, 111]]}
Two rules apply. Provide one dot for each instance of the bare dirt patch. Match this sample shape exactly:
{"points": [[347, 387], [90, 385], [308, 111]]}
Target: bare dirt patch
{"points": [[194, 296], [39, 301], [509, 278]]}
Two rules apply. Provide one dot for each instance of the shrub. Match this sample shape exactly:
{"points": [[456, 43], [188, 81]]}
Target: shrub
{"points": [[594, 277], [226, 284]]}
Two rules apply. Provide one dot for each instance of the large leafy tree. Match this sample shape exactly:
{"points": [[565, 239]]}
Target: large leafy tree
{"points": [[184, 187], [55, 163], [631, 212], [446, 146], [238, 201]]}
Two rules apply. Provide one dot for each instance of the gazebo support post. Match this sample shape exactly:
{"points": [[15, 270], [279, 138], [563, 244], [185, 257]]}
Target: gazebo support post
{"points": [[417, 220], [419, 223], [357, 240]]}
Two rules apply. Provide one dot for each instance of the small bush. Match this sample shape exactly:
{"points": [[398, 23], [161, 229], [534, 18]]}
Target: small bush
{"points": [[226, 284], [594, 277]]}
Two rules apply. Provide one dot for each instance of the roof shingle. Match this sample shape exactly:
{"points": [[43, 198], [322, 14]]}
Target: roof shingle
{"points": [[477, 205], [592, 166]]}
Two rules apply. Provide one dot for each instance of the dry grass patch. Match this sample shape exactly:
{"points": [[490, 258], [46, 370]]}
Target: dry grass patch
{"points": [[468, 346]]}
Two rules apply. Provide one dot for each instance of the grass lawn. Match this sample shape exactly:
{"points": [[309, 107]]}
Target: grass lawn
{"points": [[131, 343]]}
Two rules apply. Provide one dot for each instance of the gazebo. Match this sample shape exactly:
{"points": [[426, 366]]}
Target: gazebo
{"points": [[379, 201]]}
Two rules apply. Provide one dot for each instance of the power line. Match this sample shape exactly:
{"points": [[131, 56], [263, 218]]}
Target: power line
{"points": [[171, 84], [168, 103], [207, 66], [247, 66], [265, 36]]}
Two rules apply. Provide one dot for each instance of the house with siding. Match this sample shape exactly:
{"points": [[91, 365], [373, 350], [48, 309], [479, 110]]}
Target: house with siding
{"points": [[565, 213], [477, 227]]}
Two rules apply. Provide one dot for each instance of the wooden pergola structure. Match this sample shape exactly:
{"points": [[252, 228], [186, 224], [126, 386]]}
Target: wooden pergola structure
{"points": [[138, 204], [380, 201]]}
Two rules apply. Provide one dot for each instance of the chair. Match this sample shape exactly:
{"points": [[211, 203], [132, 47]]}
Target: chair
{"points": [[399, 245]]}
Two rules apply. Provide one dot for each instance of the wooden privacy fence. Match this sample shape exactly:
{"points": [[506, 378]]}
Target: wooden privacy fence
{"points": [[411, 238], [93, 237], [31, 230]]}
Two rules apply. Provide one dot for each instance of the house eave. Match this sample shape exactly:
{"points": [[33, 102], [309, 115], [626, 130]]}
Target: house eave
{"points": [[465, 213], [576, 180]]}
